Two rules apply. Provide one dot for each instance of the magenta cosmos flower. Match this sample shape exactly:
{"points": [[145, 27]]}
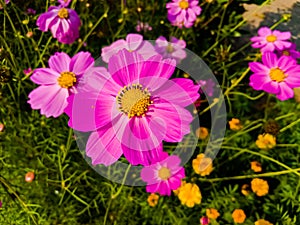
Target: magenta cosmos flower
{"points": [[63, 23], [58, 82], [275, 76], [133, 42], [134, 110], [269, 40], [291, 51], [183, 12], [173, 49], [164, 176]]}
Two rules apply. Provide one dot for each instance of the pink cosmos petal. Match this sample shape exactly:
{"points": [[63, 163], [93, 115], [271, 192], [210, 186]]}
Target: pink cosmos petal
{"points": [[264, 31], [45, 19], [280, 45], [285, 92], [44, 76], [258, 81], [179, 91], [103, 147], [146, 49], [56, 106], [111, 50], [258, 39], [42, 94], [64, 3], [293, 78], [271, 87], [178, 55], [196, 9], [59, 62], [282, 35], [148, 174], [257, 67], [270, 59], [285, 63], [269, 47], [161, 42], [134, 41], [258, 44], [81, 62], [172, 162], [191, 14]]}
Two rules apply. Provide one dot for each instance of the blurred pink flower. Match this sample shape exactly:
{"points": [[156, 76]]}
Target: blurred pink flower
{"points": [[163, 176], [134, 110], [63, 23], [269, 40], [275, 76], [183, 12], [27, 72], [64, 3], [207, 87], [133, 42], [142, 27], [173, 49], [31, 11], [291, 51], [204, 220], [58, 82]]}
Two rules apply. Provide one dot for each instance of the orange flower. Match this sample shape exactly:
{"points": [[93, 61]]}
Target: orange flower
{"points": [[189, 195], [245, 189], [212, 213], [29, 177], [202, 133], [202, 165], [153, 199], [259, 186], [235, 124], [262, 222], [256, 166], [238, 216], [266, 141]]}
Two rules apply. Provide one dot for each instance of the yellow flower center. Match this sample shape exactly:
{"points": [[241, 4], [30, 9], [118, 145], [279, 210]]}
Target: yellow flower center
{"points": [[66, 79], [169, 48], [63, 13], [164, 173], [286, 52], [183, 4], [271, 38], [277, 75], [134, 100]]}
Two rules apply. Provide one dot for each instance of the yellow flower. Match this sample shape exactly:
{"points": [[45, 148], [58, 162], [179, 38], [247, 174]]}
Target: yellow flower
{"points": [[212, 213], [189, 195], [262, 222], [265, 141], [259, 186], [238, 216], [176, 192], [202, 133], [153, 199], [235, 124], [256, 166], [202, 165], [245, 189]]}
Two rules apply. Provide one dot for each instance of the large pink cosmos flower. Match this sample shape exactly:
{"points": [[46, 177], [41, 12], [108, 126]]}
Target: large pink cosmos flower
{"points": [[163, 176], [58, 82], [183, 12], [133, 42], [275, 76], [269, 40], [134, 110], [173, 49], [63, 22]]}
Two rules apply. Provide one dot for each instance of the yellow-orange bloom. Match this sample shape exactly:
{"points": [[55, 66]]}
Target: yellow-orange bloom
{"points": [[153, 199], [202, 133], [266, 141], [245, 189], [259, 186], [212, 213], [189, 195], [256, 166], [262, 222], [238, 216], [235, 124], [202, 165]]}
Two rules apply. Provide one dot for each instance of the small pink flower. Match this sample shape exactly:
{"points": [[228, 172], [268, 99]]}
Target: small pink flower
{"points": [[183, 12], [163, 176], [27, 72], [269, 40], [173, 49], [207, 87], [31, 11], [291, 51], [275, 76], [142, 27], [1, 127], [58, 82], [133, 42], [204, 220], [64, 3], [63, 23]]}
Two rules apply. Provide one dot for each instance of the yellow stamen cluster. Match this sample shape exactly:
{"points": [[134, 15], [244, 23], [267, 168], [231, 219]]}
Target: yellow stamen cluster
{"points": [[271, 38], [134, 100], [164, 173], [63, 13], [183, 4], [277, 75], [66, 79]]}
